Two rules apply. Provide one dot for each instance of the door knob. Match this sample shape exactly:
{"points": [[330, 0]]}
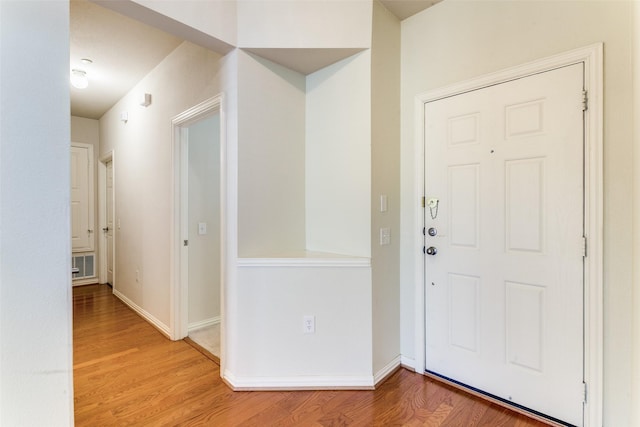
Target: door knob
{"points": [[105, 229], [432, 232], [431, 250]]}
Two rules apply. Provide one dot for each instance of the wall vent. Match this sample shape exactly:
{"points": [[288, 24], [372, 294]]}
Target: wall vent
{"points": [[85, 265]]}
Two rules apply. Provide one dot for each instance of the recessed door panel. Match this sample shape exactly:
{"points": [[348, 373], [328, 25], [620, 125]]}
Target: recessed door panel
{"points": [[463, 211], [525, 208], [524, 119], [525, 325], [463, 311]]}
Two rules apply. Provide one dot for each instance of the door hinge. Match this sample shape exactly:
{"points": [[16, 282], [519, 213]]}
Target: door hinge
{"points": [[584, 246], [422, 201], [585, 100], [185, 243], [584, 392]]}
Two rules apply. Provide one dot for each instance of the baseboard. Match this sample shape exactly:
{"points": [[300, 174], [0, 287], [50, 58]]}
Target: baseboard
{"points": [[164, 330], [204, 323], [386, 371], [298, 383], [84, 282], [408, 363]]}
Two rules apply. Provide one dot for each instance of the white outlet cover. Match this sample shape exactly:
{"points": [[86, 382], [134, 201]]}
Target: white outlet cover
{"points": [[309, 324]]}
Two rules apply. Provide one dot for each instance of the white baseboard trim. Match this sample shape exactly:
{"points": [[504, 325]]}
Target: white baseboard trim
{"points": [[164, 330], [408, 363], [387, 370], [204, 323], [298, 383], [83, 282]]}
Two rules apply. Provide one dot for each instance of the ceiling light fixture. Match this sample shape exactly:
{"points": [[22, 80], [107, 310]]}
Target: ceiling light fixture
{"points": [[79, 78]]}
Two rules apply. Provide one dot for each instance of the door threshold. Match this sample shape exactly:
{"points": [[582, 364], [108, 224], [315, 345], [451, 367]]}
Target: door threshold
{"points": [[538, 416], [215, 359]]}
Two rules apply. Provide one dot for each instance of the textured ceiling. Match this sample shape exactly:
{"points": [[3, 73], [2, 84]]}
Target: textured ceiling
{"points": [[124, 50]]}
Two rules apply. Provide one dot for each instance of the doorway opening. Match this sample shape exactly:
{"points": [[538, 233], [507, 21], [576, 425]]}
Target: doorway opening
{"points": [[198, 248], [106, 210]]}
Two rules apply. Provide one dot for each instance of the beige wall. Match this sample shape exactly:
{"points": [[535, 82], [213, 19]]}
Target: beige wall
{"points": [[457, 40], [143, 171], [635, 396], [308, 24], [385, 180], [85, 131]]}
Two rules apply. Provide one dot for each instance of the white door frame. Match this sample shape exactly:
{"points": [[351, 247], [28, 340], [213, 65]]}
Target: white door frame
{"points": [[592, 57], [179, 260], [102, 217], [90, 197]]}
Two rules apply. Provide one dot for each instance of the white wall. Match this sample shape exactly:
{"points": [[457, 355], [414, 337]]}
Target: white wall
{"points": [[338, 157], [210, 24], [385, 179], [271, 151], [36, 386], [457, 40], [270, 346], [143, 171], [204, 207], [304, 24]]}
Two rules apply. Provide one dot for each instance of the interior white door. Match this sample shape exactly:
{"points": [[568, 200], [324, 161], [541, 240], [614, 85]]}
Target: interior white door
{"points": [[504, 286], [81, 198], [109, 216]]}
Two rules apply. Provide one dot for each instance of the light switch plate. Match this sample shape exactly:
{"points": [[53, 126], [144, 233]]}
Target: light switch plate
{"points": [[383, 203], [385, 236], [202, 228]]}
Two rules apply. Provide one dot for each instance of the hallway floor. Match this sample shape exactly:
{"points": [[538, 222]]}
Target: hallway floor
{"points": [[127, 373]]}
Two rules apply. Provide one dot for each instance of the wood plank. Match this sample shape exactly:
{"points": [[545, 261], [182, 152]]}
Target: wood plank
{"points": [[127, 373]]}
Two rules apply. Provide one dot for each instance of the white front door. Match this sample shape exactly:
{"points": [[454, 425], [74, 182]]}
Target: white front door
{"points": [[109, 223], [504, 221]]}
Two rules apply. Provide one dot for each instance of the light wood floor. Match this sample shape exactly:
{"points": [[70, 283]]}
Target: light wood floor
{"points": [[127, 373]]}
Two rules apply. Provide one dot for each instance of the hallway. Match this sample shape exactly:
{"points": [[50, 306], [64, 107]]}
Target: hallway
{"points": [[127, 373]]}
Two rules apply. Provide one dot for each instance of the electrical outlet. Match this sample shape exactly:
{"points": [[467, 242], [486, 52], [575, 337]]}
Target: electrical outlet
{"points": [[137, 276], [309, 324], [202, 228]]}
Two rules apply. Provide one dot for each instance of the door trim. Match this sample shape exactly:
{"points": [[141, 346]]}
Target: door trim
{"points": [[592, 58], [102, 217], [90, 197], [179, 263]]}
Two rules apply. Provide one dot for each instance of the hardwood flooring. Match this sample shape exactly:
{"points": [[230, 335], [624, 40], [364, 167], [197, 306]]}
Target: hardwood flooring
{"points": [[127, 373]]}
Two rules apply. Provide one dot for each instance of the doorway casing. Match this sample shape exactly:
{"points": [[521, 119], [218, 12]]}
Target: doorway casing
{"points": [[179, 260], [102, 217], [592, 58]]}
